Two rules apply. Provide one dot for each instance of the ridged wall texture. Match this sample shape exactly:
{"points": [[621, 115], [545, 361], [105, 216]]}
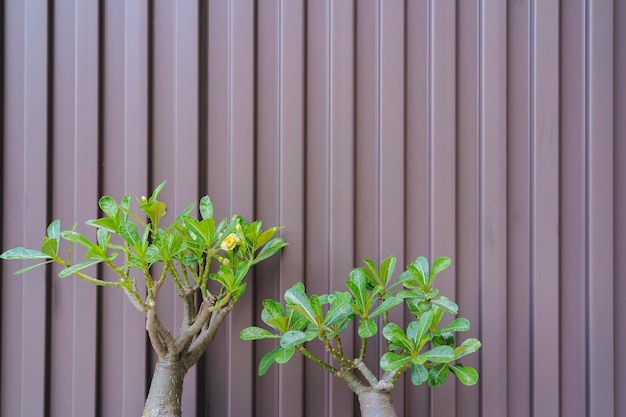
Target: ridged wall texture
{"points": [[490, 131]]}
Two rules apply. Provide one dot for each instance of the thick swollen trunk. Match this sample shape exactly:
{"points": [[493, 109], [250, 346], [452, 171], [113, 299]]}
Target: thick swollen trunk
{"points": [[376, 404], [166, 390]]}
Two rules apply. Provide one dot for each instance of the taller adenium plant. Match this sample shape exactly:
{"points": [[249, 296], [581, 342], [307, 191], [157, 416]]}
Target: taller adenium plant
{"points": [[426, 348], [136, 247]]}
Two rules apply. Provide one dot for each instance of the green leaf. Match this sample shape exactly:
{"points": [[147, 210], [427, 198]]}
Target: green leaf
{"points": [[75, 237], [419, 374], [125, 205], [265, 237], [391, 361], [157, 190], [256, 333], [266, 361], [108, 206], [23, 253], [420, 271], [129, 233], [439, 265], [292, 338], [446, 304], [28, 268], [457, 325], [367, 328], [395, 335], [283, 355], [156, 211], [272, 247], [357, 285], [316, 306], [441, 354], [416, 330], [298, 300], [111, 224], [438, 374], [468, 346], [339, 309], [96, 252], [50, 246], [54, 232], [387, 267], [206, 207], [386, 305], [75, 268], [466, 374]]}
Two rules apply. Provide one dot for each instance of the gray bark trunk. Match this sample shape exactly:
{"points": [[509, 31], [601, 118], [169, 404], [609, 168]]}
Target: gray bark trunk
{"points": [[376, 404], [166, 390]]}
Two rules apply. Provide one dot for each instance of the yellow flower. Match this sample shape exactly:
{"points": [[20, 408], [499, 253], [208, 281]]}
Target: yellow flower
{"points": [[229, 242]]}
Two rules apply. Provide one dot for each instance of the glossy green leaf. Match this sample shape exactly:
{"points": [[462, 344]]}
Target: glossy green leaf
{"points": [[23, 253], [339, 309], [206, 207], [419, 374], [441, 354], [316, 306], [54, 231], [28, 268], [96, 252], [283, 355], [446, 304], [266, 361], [387, 266], [367, 328], [265, 236], [50, 246], [416, 330], [386, 305], [357, 285], [466, 374], [468, 346], [395, 335], [457, 325], [391, 361], [157, 190], [106, 222], [271, 248], [439, 265], [420, 271], [292, 338], [108, 206], [78, 267], [125, 205], [256, 333], [438, 374], [129, 233], [298, 300], [75, 237]]}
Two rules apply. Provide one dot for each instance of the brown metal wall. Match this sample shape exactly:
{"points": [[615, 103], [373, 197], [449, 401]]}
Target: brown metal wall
{"points": [[490, 131]]}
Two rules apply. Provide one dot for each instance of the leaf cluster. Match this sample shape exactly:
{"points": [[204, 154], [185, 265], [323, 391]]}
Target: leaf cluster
{"points": [[425, 348]]}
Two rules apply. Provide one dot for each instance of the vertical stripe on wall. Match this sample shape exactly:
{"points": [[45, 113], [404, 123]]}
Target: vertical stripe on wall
{"points": [[487, 131]]}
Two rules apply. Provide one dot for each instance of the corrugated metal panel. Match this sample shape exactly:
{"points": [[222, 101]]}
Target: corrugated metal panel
{"points": [[485, 130]]}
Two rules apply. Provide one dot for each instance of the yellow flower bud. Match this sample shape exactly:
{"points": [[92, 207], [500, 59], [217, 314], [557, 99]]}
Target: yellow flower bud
{"points": [[229, 242]]}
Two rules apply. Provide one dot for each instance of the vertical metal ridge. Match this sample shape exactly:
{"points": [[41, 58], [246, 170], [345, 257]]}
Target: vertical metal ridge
{"points": [[203, 100], [2, 165], [379, 133], [587, 272], [532, 28]]}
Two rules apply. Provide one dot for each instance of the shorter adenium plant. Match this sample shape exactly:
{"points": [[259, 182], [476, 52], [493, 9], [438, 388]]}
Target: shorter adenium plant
{"points": [[137, 247], [425, 348]]}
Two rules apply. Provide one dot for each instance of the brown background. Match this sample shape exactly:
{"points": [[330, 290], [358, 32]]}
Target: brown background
{"points": [[490, 131]]}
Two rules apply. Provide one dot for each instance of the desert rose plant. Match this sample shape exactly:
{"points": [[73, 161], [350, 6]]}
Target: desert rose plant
{"points": [[137, 247], [426, 348]]}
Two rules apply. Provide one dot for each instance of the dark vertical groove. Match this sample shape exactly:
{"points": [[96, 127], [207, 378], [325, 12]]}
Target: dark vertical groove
{"points": [[481, 195], [49, 200], [100, 184], [255, 81], [2, 164], [203, 19], [355, 338], [457, 170], [150, 153]]}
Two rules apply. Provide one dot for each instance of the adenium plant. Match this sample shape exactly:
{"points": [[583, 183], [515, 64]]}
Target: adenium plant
{"points": [[425, 348], [137, 247]]}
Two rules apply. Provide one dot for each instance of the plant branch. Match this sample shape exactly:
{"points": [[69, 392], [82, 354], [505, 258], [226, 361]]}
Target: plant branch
{"points": [[365, 371], [155, 334], [198, 346], [319, 362], [206, 308]]}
